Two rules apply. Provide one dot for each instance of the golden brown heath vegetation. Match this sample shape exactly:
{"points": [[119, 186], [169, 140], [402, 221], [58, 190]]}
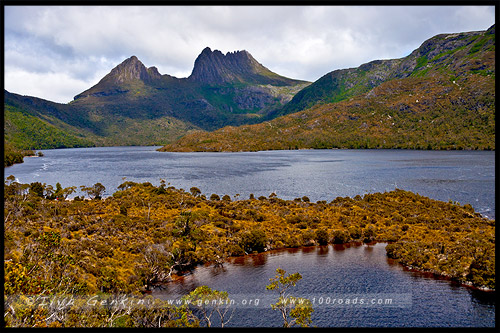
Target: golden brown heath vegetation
{"points": [[143, 234]]}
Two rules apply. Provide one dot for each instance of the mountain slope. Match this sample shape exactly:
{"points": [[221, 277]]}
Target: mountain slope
{"points": [[122, 78], [443, 52], [26, 131], [93, 126], [442, 96]]}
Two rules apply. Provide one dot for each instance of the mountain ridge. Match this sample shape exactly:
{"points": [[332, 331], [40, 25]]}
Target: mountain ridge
{"points": [[231, 89], [210, 68], [213, 67], [128, 71], [343, 83]]}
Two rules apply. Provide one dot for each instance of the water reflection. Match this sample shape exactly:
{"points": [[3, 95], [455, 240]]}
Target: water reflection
{"points": [[481, 297], [258, 259], [217, 270], [340, 247], [308, 249], [322, 250]]}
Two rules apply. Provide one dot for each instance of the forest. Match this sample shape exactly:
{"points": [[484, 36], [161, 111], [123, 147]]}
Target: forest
{"points": [[25, 131], [143, 235]]}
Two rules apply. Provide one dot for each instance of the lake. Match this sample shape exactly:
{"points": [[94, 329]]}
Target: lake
{"points": [[329, 272], [460, 176], [342, 282]]}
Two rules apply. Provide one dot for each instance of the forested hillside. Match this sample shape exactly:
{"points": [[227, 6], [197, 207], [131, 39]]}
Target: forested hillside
{"points": [[12, 155], [452, 55], [413, 113], [26, 131]]}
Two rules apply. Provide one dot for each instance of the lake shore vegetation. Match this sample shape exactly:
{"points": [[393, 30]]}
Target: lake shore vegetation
{"points": [[13, 155], [143, 235]]}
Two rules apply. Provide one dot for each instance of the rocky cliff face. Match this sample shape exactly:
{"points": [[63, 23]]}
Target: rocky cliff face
{"points": [[213, 67], [133, 69]]}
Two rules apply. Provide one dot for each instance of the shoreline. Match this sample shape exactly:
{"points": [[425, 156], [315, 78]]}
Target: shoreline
{"points": [[468, 149], [439, 276]]}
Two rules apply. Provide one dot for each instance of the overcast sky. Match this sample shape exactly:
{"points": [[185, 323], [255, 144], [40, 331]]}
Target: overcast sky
{"points": [[57, 52]]}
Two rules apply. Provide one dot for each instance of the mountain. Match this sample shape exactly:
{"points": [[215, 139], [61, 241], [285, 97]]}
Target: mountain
{"points": [[229, 89], [215, 68], [136, 105], [441, 96], [127, 73], [26, 131], [25, 115]]}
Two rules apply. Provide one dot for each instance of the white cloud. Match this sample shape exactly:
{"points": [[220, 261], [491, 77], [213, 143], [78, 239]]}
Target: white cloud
{"points": [[57, 52], [60, 87]]}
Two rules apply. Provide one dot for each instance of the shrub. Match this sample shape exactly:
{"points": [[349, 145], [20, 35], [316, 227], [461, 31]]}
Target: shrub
{"points": [[254, 240]]}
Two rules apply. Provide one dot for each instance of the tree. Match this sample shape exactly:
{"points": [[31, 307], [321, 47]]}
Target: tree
{"points": [[49, 192], [58, 193], [209, 301], [195, 191], [37, 188], [183, 224], [300, 309], [94, 192], [68, 191]]}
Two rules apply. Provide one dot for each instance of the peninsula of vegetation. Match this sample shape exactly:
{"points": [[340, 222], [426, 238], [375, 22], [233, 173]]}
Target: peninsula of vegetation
{"points": [[144, 234]]}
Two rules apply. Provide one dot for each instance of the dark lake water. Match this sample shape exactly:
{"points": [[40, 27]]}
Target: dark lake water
{"points": [[333, 276], [461, 176], [355, 272]]}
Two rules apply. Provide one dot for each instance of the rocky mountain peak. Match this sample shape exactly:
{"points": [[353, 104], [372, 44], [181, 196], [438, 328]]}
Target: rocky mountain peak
{"points": [[133, 69], [129, 71], [214, 67]]}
